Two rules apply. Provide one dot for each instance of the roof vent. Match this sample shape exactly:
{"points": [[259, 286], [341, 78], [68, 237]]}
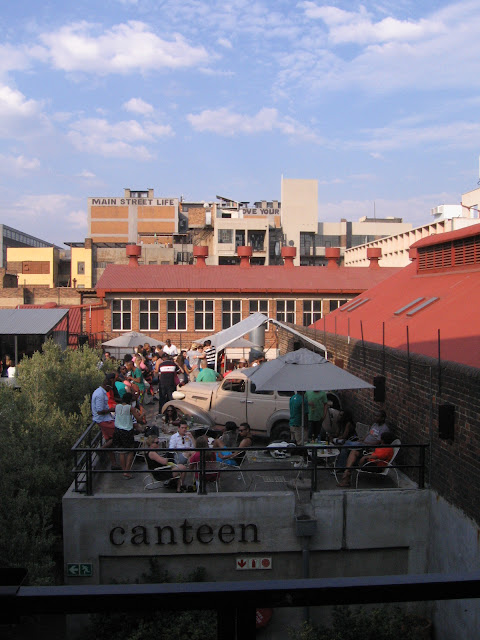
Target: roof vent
{"points": [[332, 254], [288, 255], [374, 254], [133, 253], [201, 254], [245, 254]]}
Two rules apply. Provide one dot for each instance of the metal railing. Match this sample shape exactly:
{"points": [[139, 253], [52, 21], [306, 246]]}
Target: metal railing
{"points": [[236, 602], [87, 463]]}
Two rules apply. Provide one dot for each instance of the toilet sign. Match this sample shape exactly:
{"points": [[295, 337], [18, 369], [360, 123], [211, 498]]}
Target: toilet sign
{"points": [[253, 563]]}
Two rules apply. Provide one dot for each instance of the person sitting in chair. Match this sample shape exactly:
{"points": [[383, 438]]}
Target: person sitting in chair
{"points": [[376, 461], [154, 460]]}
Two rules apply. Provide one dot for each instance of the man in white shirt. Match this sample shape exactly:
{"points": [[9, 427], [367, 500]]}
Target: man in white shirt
{"points": [[182, 440], [170, 348]]}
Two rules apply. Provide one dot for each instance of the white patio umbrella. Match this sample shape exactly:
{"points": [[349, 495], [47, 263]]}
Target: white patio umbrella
{"points": [[301, 371], [128, 341]]}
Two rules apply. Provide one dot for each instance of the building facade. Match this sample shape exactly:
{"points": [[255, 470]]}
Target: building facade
{"points": [[188, 302]]}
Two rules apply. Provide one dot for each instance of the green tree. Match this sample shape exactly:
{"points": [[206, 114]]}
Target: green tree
{"points": [[39, 425]]}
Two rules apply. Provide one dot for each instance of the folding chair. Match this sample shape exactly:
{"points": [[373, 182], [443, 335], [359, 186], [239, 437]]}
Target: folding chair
{"points": [[385, 470]]}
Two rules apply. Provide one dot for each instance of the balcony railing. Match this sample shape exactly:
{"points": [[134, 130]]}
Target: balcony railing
{"points": [[87, 463]]}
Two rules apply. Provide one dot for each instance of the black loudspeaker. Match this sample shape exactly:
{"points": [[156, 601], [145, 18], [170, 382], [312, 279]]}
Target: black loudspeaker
{"points": [[446, 421], [82, 340], [379, 391]]}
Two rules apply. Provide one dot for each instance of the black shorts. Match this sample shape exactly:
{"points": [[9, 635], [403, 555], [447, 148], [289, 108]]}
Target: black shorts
{"points": [[123, 439]]}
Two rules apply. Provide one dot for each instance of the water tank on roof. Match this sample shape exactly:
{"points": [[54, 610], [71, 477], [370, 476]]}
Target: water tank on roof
{"points": [[257, 336]]}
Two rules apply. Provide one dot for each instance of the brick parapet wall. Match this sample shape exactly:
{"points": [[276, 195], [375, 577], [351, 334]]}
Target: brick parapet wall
{"points": [[412, 403]]}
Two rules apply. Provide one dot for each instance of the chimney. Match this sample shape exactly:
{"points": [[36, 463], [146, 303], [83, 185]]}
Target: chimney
{"points": [[133, 253], [201, 254], [332, 254], [288, 255], [245, 254], [374, 254]]}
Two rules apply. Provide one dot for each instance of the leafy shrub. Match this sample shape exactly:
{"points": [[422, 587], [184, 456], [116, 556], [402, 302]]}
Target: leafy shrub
{"points": [[157, 625], [38, 426]]}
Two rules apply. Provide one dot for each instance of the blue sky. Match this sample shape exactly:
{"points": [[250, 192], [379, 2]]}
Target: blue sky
{"points": [[378, 101]]}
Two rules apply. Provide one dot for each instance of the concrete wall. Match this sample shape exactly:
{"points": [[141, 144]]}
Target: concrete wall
{"points": [[299, 210], [118, 533], [454, 547]]}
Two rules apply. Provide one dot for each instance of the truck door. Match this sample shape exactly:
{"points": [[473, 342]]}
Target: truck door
{"points": [[231, 401], [260, 406]]}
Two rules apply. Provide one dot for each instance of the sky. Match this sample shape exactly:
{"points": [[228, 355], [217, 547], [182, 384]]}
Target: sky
{"points": [[378, 101]]}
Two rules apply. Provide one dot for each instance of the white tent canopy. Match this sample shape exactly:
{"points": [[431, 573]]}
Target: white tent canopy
{"points": [[224, 338]]}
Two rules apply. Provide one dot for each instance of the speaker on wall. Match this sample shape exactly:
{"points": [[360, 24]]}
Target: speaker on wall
{"points": [[446, 421], [379, 391]]}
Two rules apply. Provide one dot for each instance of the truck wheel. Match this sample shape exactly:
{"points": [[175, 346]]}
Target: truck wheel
{"points": [[281, 431]]}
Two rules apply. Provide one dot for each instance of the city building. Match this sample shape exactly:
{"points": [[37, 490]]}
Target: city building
{"points": [[395, 247], [414, 336], [10, 237], [186, 302]]}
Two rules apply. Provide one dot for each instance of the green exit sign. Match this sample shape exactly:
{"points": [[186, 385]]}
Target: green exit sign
{"points": [[79, 570]]}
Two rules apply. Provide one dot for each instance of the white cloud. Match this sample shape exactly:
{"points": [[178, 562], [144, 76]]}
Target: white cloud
{"points": [[223, 42], [123, 49], [97, 136], [38, 205], [384, 55], [19, 117], [225, 122], [137, 105], [458, 134], [78, 219], [88, 175], [18, 165], [360, 27]]}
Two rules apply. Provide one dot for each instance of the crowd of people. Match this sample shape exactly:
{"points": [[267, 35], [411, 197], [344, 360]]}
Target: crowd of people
{"points": [[117, 407]]}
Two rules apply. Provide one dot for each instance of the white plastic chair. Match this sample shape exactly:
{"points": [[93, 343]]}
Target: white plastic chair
{"points": [[385, 470]]}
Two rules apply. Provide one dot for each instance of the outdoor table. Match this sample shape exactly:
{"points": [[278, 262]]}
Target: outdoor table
{"points": [[324, 452]]}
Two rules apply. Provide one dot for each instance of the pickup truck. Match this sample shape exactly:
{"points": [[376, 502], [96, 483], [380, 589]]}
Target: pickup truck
{"points": [[236, 398]]}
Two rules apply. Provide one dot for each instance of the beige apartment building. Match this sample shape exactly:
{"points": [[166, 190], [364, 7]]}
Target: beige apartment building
{"points": [[395, 248]]}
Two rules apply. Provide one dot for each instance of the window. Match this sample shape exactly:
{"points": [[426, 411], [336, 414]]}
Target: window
{"points": [[253, 389], [231, 312], [225, 236], [176, 315], [255, 306], [286, 311], [203, 315], [122, 315], [148, 315], [81, 268], [334, 304], [312, 311], [234, 384]]}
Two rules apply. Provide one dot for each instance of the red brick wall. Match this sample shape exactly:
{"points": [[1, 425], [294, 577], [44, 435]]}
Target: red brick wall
{"points": [[414, 391]]}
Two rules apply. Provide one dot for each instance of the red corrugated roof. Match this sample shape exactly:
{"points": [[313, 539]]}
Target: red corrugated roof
{"points": [[236, 279], [455, 312]]}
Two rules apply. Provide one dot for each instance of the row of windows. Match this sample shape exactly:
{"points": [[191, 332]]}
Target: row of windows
{"points": [[204, 313], [21, 237]]}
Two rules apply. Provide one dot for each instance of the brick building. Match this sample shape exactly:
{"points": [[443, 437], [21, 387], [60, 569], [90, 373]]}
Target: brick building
{"points": [[188, 302]]}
